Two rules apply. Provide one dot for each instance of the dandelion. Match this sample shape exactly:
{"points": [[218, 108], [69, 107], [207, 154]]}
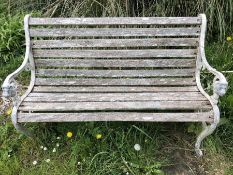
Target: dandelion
{"points": [[9, 111], [69, 134], [45, 148], [41, 147], [54, 150], [137, 147], [57, 145], [58, 138], [47, 160], [229, 38], [34, 162], [98, 136]]}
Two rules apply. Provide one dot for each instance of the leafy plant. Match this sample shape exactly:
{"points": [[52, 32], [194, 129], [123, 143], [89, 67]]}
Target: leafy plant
{"points": [[11, 37]]}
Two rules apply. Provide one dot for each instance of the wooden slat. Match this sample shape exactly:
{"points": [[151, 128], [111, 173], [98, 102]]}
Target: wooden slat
{"points": [[128, 89], [85, 97], [115, 63], [114, 42], [147, 53], [116, 116], [87, 106], [113, 82], [113, 32], [116, 73], [115, 21]]}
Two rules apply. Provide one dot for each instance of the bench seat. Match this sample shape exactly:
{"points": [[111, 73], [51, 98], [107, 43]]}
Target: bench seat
{"points": [[59, 104]]}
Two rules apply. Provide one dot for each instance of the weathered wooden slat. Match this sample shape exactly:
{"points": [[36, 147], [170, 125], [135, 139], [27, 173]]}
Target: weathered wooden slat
{"points": [[147, 53], [88, 106], [115, 63], [113, 82], [104, 32], [116, 116], [107, 89], [115, 21], [116, 73], [114, 42], [112, 97]]}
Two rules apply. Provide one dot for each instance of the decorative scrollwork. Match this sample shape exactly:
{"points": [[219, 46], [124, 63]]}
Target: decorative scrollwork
{"points": [[220, 87], [9, 90]]}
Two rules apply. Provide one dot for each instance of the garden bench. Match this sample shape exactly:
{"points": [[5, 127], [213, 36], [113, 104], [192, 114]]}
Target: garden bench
{"points": [[116, 69]]}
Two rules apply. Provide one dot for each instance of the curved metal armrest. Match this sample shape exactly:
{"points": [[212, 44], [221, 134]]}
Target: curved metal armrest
{"points": [[8, 86], [219, 83]]}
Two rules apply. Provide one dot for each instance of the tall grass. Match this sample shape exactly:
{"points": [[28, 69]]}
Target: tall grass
{"points": [[219, 12]]}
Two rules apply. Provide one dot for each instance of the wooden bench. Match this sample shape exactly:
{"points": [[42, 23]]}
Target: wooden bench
{"points": [[116, 69]]}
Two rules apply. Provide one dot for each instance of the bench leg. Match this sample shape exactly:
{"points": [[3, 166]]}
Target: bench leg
{"points": [[19, 127], [207, 130]]}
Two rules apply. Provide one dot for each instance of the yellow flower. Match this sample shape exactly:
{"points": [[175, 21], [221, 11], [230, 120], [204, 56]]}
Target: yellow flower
{"points": [[69, 134], [229, 38], [9, 111], [98, 136]]}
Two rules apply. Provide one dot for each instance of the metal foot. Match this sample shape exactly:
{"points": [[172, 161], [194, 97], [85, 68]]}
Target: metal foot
{"points": [[207, 130], [23, 130], [19, 127]]}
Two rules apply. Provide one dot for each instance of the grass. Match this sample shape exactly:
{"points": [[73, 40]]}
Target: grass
{"points": [[165, 147]]}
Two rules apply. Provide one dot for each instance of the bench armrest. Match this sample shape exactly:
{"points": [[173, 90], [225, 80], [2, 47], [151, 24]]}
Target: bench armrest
{"points": [[219, 83], [9, 86]]}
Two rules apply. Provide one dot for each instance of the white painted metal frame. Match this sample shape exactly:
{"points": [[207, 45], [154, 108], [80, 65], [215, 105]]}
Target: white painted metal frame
{"points": [[219, 87], [219, 83], [9, 87]]}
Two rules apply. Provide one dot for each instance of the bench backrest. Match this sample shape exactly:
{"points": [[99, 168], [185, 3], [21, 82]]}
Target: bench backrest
{"points": [[157, 51]]}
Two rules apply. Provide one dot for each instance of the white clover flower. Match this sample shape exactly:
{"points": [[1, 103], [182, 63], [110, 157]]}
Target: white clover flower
{"points": [[57, 145], [41, 147], [58, 138], [8, 155], [127, 173], [34, 162], [45, 148], [79, 163], [137, 147], [47, 160], [54, 150]]}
